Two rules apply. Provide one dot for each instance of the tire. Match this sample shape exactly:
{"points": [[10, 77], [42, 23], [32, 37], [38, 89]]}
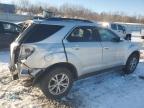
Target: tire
{"points": [[129, 67], [48, 83]]}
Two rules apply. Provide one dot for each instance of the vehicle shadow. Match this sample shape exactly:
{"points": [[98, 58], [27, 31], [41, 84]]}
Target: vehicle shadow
{"points": [[91, 88], [105, 89]]}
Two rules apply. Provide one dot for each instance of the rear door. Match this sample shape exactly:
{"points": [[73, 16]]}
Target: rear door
{"points": [[113, 50], [84, 49]]}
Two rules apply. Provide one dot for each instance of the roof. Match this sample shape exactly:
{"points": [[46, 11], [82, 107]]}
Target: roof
{"points": [[64, 21], [69, 19]]}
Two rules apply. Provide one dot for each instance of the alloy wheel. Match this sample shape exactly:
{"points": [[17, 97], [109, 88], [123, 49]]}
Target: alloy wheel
{"points": [[58, 84]]}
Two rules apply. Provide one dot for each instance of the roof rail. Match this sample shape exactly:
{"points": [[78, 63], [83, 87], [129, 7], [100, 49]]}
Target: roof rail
{"points": [[68, 19], [63, 19]]}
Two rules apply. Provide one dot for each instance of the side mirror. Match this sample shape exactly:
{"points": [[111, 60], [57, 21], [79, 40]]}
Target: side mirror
{"points": [[128, 37]]}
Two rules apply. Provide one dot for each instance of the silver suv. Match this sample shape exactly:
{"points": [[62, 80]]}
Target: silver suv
{"points": [[57, 51]]}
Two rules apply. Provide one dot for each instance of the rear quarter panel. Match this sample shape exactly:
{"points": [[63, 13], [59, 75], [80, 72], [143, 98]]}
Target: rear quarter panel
{"points": [[45, 55]]}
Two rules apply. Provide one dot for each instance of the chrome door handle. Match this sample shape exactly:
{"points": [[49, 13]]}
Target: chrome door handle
{"points": [[106, 48], [76, 47]]}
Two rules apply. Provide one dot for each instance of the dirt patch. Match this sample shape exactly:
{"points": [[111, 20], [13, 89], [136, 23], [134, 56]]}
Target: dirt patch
{"points": [[14, 95]]}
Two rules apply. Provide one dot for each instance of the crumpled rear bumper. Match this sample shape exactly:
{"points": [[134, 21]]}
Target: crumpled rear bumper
{"points": [[21, 71]]}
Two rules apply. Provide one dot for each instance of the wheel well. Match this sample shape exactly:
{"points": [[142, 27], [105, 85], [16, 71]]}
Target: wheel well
{"points": [[136, 52], [63, 64], [68, 66]]}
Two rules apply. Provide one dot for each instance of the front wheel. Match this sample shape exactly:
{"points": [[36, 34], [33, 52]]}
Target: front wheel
{"points": [[131, 64], [56, 83]]}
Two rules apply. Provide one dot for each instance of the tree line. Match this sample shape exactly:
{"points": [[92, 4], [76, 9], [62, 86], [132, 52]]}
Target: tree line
{"points": [[74, 11]]}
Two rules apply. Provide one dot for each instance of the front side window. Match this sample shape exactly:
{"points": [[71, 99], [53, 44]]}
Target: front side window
{"points": [[83, 34], [38, 32], [114, 26], [107, 35], [120, 27]]}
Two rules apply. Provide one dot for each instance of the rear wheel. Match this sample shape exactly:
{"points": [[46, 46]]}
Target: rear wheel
{"points": [[56, 83], [131, 64]]}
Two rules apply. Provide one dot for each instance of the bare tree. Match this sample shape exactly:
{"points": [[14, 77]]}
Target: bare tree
{"points": [[24, 3], [74, 11]]}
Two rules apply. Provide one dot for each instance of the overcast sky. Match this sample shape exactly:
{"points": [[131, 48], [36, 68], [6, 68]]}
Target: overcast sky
{"points": [[130, 7]]}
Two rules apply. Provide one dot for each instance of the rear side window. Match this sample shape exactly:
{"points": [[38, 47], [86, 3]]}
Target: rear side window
{"points": [[84, 34], [38, 32]]}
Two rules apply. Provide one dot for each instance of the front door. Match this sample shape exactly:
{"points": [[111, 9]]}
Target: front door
{"points": [[113, 48], [84, 49]]}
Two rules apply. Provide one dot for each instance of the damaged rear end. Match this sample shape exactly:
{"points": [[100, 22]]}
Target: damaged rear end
{"points": [[28, 51]]}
